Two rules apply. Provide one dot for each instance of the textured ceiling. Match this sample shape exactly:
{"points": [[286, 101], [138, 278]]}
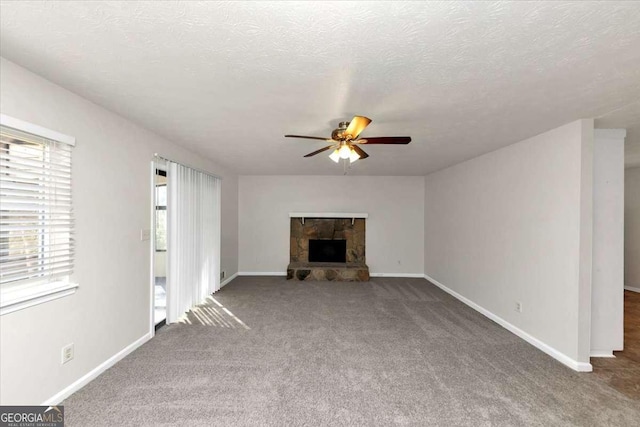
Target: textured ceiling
{"points": [[229, 79]]}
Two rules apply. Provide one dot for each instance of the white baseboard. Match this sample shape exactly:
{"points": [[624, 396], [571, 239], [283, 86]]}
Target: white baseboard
{"points": [[280, 273], [601, 353], [262, 273], [632, 288], [94, 373], [416, 275], [229, 279], [559, 356]]}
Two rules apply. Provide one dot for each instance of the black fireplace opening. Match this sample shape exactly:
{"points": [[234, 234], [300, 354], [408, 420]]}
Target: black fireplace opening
{"points": [[322, 250]]}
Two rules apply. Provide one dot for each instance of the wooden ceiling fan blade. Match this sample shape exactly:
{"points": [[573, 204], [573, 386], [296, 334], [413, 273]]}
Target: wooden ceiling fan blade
{"points": [[309, 137], [385, 140], [319, 151], [357, 125], [360, 151]]}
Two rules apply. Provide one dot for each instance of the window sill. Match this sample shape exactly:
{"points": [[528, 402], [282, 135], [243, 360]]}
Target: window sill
{"points": [[19, 299]]}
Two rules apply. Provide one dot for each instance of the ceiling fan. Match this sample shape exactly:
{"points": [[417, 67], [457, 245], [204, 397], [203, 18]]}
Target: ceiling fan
{"points": [[345, 143]]}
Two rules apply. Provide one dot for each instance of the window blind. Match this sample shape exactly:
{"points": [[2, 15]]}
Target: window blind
{"points": [[36, 216]]}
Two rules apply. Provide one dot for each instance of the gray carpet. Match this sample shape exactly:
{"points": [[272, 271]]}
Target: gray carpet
{"points": [[265, 351]]}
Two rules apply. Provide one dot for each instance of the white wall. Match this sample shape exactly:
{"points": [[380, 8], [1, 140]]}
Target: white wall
{"points": [[229, 226], [607, 294], [112, 202], [394, 234], [514, 225], [632, 229]]}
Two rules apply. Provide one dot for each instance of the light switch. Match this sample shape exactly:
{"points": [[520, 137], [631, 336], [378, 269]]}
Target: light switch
{"points": [[145, 234]]}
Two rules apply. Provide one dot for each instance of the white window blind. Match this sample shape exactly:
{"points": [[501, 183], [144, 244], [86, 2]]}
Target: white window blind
{"points": [[36, 216]]}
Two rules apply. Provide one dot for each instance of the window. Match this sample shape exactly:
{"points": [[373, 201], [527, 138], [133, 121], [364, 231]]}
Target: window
{"points": [[161, 217], [36, 216]]}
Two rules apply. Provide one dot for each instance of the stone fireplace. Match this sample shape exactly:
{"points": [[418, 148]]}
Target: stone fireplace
{"points": [[327, 247]]}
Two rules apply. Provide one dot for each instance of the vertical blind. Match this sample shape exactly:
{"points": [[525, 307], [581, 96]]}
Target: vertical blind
{"points": [[36, 217], [194, 238]]}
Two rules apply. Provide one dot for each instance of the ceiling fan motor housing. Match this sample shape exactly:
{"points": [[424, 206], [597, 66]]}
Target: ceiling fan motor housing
{"points": [[338, 134]]}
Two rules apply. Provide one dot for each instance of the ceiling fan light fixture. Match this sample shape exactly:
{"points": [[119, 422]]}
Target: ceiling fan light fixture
{"points": [[335, 156], [353, 156], [345, 151]]}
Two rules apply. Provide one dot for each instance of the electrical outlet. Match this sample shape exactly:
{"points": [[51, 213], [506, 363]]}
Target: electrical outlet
{"points": [[67, 353], [223, 274], [518, 306]]}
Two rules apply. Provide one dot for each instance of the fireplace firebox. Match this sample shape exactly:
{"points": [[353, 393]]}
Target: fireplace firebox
{"points": [[324, 250]]}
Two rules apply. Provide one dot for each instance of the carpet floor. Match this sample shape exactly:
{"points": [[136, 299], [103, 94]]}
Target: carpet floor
{"points": [[623, 371], [265, 351]]}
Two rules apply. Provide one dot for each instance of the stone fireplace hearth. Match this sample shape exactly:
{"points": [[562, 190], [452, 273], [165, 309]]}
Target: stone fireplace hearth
{"points": [[350, 236]]}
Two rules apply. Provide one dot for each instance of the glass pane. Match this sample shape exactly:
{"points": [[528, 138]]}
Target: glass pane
{"points": [[161, 230], [161, 195]]}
